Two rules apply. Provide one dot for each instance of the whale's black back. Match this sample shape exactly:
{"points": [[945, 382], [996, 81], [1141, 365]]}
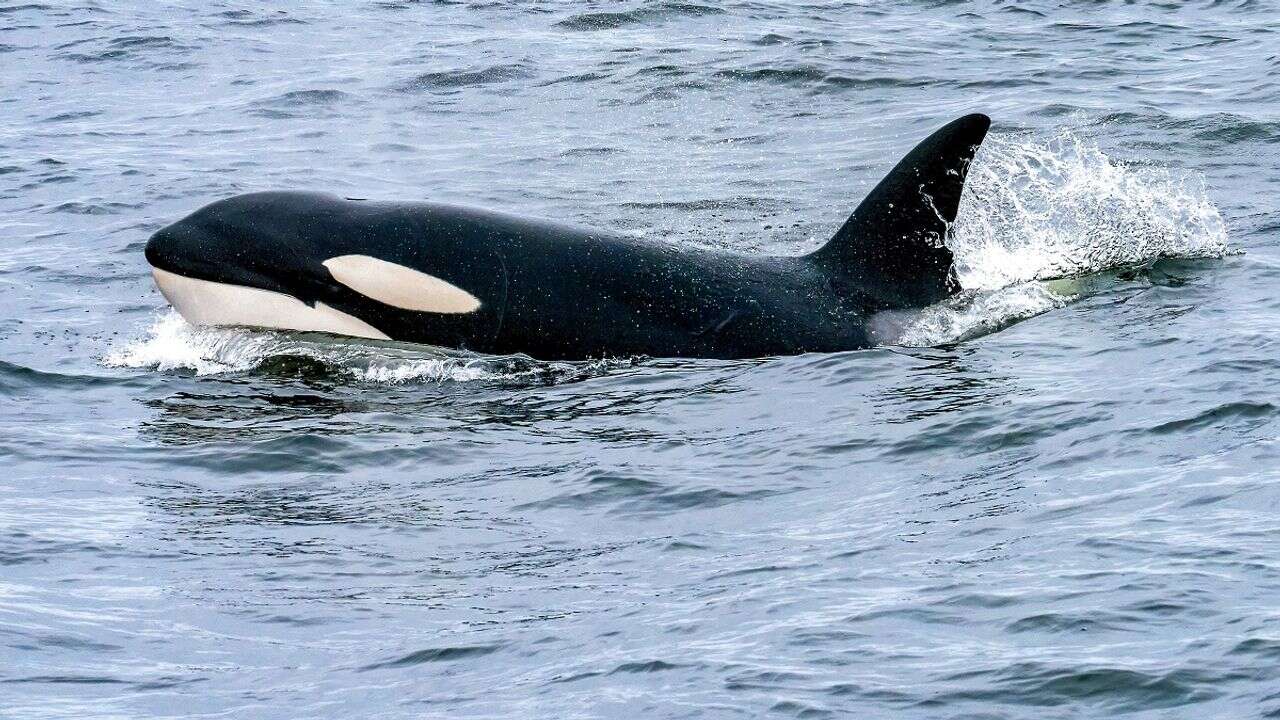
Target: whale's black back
{"points": [[557, 291]]}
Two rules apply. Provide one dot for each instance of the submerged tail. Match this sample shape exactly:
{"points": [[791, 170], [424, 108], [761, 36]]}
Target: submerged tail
{"points": [[892, 245]]}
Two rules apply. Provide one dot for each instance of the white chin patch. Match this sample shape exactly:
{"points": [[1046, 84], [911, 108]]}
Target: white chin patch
{"points": [[399, 286], [203, 302]]}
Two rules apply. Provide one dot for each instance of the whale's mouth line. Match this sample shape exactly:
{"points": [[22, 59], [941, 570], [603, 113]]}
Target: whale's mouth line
{"points": [[191, 267], [211, 302]]}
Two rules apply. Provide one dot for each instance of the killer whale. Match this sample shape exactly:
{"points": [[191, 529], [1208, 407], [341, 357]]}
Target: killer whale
{"points": [[490, 282]]}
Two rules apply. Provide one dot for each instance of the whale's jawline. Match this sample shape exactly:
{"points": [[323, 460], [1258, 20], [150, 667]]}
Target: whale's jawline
{"points": [[206, 302]]}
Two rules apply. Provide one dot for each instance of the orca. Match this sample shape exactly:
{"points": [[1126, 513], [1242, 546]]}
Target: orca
{"points": [[490, 282]]}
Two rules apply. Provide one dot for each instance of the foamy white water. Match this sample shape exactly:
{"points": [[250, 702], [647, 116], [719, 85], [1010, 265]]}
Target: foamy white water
{"points": [[1036, 209], [171, 343]]}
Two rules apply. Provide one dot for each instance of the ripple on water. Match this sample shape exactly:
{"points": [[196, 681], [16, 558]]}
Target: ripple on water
{"points": [[249, 18], [454, 80], [299, 103], [650, 13], [140, 47], [1109, 688], [24, 8], [815, 76], [631, 494], [1234, 416], [435, 655]]}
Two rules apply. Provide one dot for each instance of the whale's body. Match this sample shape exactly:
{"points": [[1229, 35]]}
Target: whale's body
{"points": [[494, 283]]}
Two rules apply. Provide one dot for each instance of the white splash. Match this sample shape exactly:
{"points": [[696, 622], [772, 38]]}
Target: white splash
{"points": [[1038, 210], [978, 314], [1035, 210], [173, 344]]}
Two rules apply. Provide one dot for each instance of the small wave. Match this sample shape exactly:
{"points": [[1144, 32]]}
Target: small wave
{"points": [[143, 41], [728, 203], [246, 18], [297, 103], [129, 48], [800, 74], [299, 98], [576, 78], [31, 7], [171, 344], [617, 19], [86, 208], [1238, 416], [1115, 688], [1221, 128], [771, 39], [432, 655], [453, 79], [75, 115], [665, 70], [15, 378], [1063, 623], [646, 666], [589, 151], [631, 494], [813, 76]]}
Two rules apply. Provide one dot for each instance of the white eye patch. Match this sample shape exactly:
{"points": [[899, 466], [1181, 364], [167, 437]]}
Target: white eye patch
{"points": [[399, 286]]}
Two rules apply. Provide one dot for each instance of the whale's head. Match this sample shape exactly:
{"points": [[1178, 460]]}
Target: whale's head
{"points": [[253, 241], [289, 260]]}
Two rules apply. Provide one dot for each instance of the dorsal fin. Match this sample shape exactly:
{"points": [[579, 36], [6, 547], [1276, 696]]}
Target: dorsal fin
{"points": [[892, 246]]}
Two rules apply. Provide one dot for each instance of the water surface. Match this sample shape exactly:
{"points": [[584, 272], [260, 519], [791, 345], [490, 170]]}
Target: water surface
{"points": [[1048, 500]]}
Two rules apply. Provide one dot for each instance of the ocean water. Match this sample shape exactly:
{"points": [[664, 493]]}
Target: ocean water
{"points": [[1053, 497]]}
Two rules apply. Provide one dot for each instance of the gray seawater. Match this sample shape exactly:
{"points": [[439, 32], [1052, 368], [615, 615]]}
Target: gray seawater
{"points": [[1048, 500]]}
